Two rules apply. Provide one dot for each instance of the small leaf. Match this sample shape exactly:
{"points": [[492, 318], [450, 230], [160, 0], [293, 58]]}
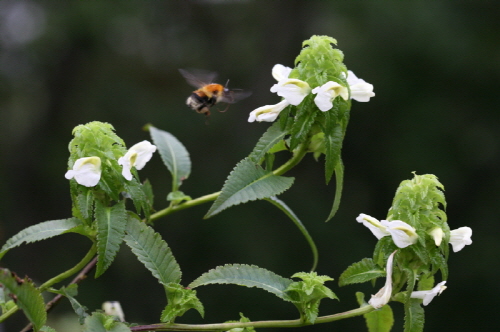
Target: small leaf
{"points": [[111, 223], [245, 275], [283, 207], [41, 231], [269, 139], [100, 322], [248, 182], [85, 202], [359, 272], [414, 316], [333, 146], [339, 184], [174, 155], [380, 320], [70, 292], [153, 252], [180, 300], [27, 297], [304, 120]]}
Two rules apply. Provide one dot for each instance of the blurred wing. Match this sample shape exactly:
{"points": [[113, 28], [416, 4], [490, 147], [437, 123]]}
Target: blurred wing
{"points": [[198, 77], [232, 96]]}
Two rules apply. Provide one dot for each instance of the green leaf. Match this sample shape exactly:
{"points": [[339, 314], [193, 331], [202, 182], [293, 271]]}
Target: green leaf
{"points": [[100, 322], [173, 154], [248, 182], [283, 207], [380, 320], [152, 251], [70, 292], [47, 329], [245, 275], [303, 122], [180, 300], [243, 319], [269, 139], [27, 297], [85, 201], [333, 146], [41, 231], [339, 184], [360, 272], [111, 223], [414, 316]]}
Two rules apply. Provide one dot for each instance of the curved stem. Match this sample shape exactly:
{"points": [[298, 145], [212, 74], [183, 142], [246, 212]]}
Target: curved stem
{"points": [[57, 278], [296, 158], [259, 324]]}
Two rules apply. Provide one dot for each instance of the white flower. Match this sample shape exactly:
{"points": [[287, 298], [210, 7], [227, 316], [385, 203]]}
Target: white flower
{"points": [[267, 113], [384, 294], [293, 90], [437, 234], [281, 72], [86, 171], [360, 89], [113, 308], [373, 225], [460, 237], [138, 155], [402, 234], [326, 93], [428, 295]]}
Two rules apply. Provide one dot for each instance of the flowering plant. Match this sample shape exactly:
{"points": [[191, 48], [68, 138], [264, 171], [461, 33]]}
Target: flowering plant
{"points": [[312, 117]]}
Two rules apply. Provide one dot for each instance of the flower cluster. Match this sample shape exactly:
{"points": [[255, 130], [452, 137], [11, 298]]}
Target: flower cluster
{"points": [[87, 171], [294, 91]]}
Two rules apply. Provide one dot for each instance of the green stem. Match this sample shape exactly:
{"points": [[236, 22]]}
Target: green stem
{"points": [[57, 279], [296, 158], [259, 324]]}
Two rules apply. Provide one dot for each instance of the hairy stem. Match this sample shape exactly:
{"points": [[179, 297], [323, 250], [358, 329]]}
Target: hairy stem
{"points": [[296, 158], [258, 324]]}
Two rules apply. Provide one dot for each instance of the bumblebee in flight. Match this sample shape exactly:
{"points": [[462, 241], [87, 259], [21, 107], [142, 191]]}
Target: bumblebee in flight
{"points": [[208, 93]]}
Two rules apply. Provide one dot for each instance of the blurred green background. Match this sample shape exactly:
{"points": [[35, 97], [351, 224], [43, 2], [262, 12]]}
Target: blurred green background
{"points": [[435, 67]]}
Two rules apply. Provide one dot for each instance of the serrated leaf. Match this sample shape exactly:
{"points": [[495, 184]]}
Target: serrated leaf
{"points": [[153, 252], [111, 223], [27, 297], [339, 184], [248, 182], [303, 122], [283, 207], [269, 139], [100, 322], [380, 320], [41, 231], [362, 271], [174, 155], [70, 292], [414, 316], [180, 300], [333, 146], [85, 202], [138, 195], [245, 275]]}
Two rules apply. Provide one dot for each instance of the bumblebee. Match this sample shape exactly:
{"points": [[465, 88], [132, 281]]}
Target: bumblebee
{"points": [[208, 93]]}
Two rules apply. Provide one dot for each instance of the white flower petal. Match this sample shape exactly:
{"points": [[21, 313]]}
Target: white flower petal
{"points": [[383, 296], [373, 225], [460, 237], [402, 234], [137, 156], [86, 171], [113, 308], [360, 89], [326, 93], [267, 113], [293, 90], [281, 72], [437, 234], [428, 295]]}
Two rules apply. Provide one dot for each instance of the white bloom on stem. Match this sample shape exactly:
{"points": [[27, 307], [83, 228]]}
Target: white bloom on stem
{"points": [[402, 234], [326, 93], [138, 155], [267, 113], [460, 237], [360, 89], [437, 234], [86, 171], [293, 90], [373, 225], [113, 308], [384, 294], [428, 295], [281, 72]]}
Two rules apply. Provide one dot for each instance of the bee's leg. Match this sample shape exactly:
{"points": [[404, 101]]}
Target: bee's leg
{"points": [[227, 107]]}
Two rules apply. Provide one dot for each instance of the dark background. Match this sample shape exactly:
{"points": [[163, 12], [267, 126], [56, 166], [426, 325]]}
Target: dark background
{"points": [[435, 67]]}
